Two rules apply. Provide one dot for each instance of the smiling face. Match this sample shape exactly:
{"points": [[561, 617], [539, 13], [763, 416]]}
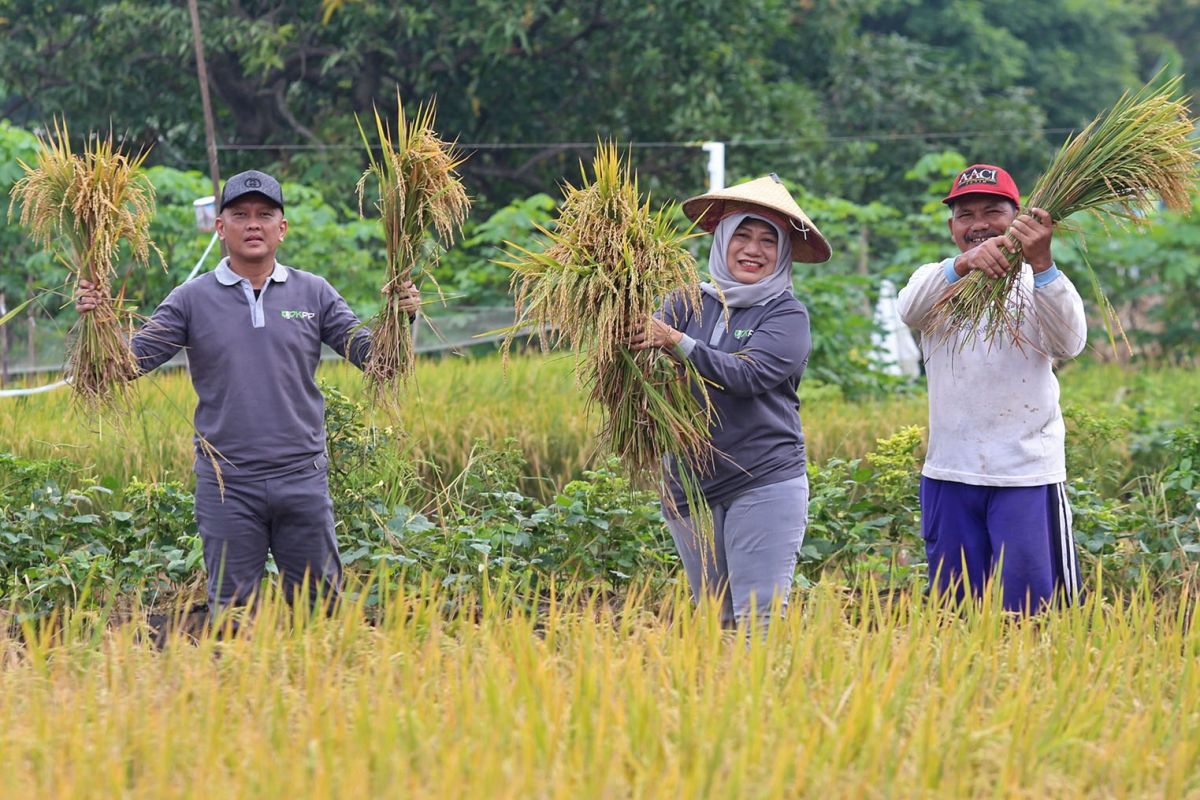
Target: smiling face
{"points": [[976, 218], [753, 251], [252, 228]]}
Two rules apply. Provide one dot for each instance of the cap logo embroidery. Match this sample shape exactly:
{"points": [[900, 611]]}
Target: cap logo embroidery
{"points": [[253, 183], [976, 176]]}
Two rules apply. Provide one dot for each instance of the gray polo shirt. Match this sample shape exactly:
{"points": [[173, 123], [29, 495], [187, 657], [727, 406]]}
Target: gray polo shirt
{"points": [[755, 362], [253, 363]]}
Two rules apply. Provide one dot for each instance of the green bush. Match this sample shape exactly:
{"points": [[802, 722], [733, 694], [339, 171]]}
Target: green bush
{"points": [[1150, 523], [598, 530], [85, 545], [863, 514], [62, 546]]}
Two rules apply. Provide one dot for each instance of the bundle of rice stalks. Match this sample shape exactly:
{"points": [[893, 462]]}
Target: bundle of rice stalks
{"points": [[1138, 152], [418, 186], [608, 265], [82, 206]]}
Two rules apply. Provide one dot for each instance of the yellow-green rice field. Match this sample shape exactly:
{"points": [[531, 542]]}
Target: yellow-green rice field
{"points": [[852, 695], [453, 401]]}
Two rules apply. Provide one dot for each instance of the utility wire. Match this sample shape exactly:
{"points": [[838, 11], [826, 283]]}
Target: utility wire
{"points": [[866, 137]]}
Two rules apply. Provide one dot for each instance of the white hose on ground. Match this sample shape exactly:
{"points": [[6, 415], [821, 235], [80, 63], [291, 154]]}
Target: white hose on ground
{"points": [[34, 390]]}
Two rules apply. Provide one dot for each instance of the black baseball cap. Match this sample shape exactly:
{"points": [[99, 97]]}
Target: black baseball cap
{"points": [[251, 182]]}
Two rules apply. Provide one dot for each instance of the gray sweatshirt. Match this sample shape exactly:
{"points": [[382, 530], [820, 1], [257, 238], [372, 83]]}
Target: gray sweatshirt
{"points": [[253, 363], [756, 363]]}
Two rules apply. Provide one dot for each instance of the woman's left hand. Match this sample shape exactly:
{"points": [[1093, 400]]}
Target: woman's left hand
{"points": [[658, 334]]}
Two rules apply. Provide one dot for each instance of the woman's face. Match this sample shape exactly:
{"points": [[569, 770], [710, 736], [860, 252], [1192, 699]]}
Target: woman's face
{"points": [[753, 251]]}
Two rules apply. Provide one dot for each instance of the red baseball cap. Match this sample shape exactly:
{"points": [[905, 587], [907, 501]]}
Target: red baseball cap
{"points": [[984, 179]]}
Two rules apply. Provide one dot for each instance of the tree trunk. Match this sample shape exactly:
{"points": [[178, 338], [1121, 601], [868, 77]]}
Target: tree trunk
{"points": [[3, 343], [864, 257]]}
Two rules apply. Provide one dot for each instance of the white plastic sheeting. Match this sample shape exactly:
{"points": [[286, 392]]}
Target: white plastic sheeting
{"points": [[894, 343]]}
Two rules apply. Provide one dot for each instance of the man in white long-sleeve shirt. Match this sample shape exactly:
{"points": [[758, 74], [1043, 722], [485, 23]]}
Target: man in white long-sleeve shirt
{"points": [[992, 489]]}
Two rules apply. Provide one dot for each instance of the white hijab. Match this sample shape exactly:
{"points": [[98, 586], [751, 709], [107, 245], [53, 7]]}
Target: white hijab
{"points": [[743, 295]]}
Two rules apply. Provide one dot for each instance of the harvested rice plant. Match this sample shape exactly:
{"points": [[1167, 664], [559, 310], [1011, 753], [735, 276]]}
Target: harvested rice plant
{"points": [[413, 184], [1139, 152], [610, 263], [82, 206]]}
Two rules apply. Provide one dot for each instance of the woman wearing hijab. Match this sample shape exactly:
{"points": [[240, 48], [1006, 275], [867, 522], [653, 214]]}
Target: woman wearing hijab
{"points": [[750, 339]]}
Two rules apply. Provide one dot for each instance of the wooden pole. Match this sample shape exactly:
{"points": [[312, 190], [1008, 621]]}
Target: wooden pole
{"points": [[210, 128], [31, 332], [864, 260], [864, 249], [3, 342]]}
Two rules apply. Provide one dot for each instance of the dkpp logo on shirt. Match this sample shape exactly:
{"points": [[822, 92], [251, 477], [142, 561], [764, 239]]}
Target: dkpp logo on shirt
{"points": [[297, 314], [743, 333]]}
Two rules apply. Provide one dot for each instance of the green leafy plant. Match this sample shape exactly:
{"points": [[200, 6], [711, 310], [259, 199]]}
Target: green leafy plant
{"points": [[863, 513]]}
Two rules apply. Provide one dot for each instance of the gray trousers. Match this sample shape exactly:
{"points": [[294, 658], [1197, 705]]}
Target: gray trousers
{"points": [[752, 555], [291, 517]]}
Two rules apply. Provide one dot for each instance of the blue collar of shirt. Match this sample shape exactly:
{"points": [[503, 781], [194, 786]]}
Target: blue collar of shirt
{"points": [[228, 277]]}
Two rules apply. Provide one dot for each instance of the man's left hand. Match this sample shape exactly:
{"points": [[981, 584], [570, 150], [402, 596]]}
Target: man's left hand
{"points": [[409, 297], [1034, 230]]}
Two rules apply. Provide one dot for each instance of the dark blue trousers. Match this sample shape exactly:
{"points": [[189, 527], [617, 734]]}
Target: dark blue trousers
{"points": [[1023, 533], [290, 517]]}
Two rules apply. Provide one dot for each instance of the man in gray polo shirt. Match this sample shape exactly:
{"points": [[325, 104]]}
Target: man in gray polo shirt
{"points": [[253, 330]]}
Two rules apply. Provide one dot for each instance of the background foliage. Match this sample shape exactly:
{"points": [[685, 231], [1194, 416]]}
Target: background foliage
{"points": [[865, 107], [842, 94]]}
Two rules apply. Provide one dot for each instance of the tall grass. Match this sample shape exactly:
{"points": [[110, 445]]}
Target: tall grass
{"points": [[851, 695], [453, 402]]}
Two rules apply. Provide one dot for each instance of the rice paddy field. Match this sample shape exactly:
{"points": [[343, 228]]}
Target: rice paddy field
{"points": [[852, 695], [533, 399], [855, 692], [450, 403]]}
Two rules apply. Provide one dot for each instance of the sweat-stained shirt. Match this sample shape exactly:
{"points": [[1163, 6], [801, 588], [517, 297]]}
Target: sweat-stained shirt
{"points": [[994, 418], [755, 362], [253, 362]]}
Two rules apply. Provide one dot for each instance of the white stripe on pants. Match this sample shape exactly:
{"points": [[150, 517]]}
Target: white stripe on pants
{"points": [[1066, 544]]}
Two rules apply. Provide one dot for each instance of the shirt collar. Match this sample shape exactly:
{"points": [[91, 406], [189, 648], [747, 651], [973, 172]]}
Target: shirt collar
{"points": [[228, 277]]}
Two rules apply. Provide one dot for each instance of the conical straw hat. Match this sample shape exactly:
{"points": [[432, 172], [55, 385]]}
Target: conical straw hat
{"points": [[762, 194]]}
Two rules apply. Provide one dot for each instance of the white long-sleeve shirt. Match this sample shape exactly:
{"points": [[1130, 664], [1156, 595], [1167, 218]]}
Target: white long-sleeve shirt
{"points": [[994, 418]]}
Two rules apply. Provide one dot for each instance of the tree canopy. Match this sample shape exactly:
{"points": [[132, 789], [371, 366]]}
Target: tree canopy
{"points": [[841, 95]]}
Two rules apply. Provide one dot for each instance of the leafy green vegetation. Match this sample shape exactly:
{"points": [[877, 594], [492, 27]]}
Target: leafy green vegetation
{"points": [[453, 491], [846, 95]]}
